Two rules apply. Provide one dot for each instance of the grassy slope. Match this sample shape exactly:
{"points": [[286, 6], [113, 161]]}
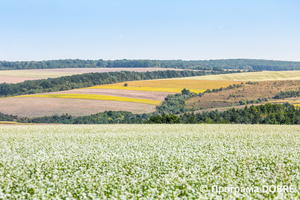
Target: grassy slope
{"points": [[252, 76], [231, 97], [149, 161]]}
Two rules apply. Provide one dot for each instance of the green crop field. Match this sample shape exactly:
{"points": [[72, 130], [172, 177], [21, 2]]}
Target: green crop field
{"points": [[148, 161]]}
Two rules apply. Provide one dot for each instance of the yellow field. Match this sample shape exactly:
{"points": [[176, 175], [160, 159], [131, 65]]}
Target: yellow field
{"points": [[149, 89], [251, 76], [95, 97], [295, 102], [168, 85], [14, 123], [8, 122]]}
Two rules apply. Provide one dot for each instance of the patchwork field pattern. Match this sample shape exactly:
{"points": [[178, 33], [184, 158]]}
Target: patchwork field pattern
{"points": [[152, 92], [105, 97], [94, 97], [251, 76], [168, 85], [148, 161]]}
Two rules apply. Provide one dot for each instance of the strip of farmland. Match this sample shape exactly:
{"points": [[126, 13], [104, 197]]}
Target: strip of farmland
{"points": [[39, 107], [17, 76], [167, 85], [158, 96], [94, 97], [251, 76]]}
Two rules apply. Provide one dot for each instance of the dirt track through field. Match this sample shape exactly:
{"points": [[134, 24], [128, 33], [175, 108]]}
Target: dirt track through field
{"points": [[38, 107]]}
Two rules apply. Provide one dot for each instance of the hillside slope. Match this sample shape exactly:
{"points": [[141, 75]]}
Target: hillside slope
{"points": [[247, 92]]}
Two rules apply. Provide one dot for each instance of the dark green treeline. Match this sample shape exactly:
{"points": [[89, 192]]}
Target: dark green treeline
{"points": [[244, 64]]}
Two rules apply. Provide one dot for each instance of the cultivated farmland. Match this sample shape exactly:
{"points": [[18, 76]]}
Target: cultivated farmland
{"points": [[15, 76], [94, 97], [14, 79], [39, 107], [158, 96], [113, 97], [251, 76], [232, 97], [149, 161], [168, 85], [295, 101]]}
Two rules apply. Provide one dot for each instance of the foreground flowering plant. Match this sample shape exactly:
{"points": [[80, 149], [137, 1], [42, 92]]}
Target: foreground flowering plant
{"points": [[149, 161]]}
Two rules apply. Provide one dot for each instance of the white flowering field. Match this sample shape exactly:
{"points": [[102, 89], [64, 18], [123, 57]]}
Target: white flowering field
{"points": [[148, 161]]}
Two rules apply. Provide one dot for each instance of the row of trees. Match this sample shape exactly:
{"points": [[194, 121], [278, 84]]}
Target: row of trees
{"points": [[244, 64], [175, 104], [163, 119], [262, 114], [5, 117], [91, 79], [70, 63], [253, 64], [107, 117], [287, 94]]}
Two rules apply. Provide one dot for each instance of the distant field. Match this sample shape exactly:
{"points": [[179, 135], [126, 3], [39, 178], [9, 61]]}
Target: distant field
{"points": [[113, 97], [158, 96], [295, 101], [94, 97], [168, 85], [37, 74], [9, 123], [38, 107], [15, 76], [14, 79], [252, 76], [226, 98], [141, 96]]}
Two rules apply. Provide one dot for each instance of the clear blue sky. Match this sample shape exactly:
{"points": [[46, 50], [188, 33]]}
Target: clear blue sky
{"points": [[149, 29]]}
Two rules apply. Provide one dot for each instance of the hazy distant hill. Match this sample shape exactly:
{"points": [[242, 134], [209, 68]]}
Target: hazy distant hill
{"points": [[248, 64]]}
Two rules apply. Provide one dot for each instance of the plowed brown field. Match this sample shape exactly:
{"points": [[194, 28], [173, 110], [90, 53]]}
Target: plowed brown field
{"points": [[37, 107], [159, 96]]}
